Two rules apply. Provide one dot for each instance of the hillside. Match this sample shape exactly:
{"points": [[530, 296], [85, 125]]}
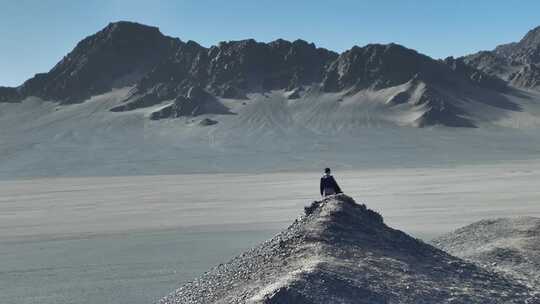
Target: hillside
{"points": [[508, 245], [342, 252]]}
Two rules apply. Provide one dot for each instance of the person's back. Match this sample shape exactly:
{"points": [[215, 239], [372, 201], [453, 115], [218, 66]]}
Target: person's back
{"points": [[329, 185]]}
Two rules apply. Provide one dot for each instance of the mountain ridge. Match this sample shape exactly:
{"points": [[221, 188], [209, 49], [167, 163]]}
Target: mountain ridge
{"points": [[162, 70], [116, 56], [518, 63]]}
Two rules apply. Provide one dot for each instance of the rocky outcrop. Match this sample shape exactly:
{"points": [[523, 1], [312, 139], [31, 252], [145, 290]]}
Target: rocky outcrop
{"points": [[489, 63], [527, 77], [195, 103], [342, 252], [8, 94], [475, 75]]}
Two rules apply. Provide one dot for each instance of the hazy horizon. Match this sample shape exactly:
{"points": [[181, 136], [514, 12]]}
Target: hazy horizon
{"points": [[435, 29]]}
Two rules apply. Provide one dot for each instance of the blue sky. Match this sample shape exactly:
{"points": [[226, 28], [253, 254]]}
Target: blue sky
{"points": [[34, 35]]}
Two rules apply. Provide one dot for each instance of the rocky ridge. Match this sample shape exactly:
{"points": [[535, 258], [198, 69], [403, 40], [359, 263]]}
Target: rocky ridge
{"points": [[164, 70], [517, 63]]}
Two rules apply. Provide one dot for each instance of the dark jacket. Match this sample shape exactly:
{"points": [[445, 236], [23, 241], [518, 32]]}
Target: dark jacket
{"points": [[328, 181]]}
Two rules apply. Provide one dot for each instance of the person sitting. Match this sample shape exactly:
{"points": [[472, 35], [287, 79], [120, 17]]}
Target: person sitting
{"points": [[329, 185]]}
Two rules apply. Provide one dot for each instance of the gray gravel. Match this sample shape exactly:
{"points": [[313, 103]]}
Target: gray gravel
{"points": [[342, 252], [508, 245]]}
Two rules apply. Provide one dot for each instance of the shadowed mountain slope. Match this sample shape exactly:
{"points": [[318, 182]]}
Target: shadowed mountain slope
{"points": [[518, 63], [117, 56]]}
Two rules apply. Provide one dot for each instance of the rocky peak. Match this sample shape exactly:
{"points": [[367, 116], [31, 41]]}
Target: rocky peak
{"points": [[531, 39], [119, 55], [8, 94], [527, 77], [523, 52], [124, 28], [516, 62]]}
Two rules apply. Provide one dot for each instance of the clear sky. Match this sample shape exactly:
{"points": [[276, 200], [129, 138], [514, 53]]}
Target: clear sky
{"points": [[35, 34]]}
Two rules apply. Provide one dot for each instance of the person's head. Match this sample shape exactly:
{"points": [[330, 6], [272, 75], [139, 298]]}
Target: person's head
{"points": [[326, 170]]}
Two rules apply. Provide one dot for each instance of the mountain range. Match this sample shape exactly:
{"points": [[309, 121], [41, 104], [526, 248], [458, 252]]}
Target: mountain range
{"points": [[398, 85], [130, 100]]}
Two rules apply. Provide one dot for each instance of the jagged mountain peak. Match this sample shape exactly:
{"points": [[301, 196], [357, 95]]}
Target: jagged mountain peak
{"points": [[342, 252], [517, 62], [118, 55], [126, 31], [123, 33], [121, 30], [121, 26], [531, 39], [121, 38]]}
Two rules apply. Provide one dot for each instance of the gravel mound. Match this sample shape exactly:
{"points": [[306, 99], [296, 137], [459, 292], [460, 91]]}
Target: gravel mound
{"points": [[342, 252]]}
